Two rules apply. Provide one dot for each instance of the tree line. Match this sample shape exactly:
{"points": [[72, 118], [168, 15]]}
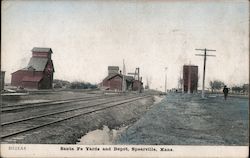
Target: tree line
{"points": [[73, 85], [218, 85]]}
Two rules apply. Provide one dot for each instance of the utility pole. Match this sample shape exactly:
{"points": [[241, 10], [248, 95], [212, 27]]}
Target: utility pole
{"points": [[189, 78], [147, 86], [180, 82], [166, 68], [139, 89], [204, 66], [138, 70], [123, 77]]}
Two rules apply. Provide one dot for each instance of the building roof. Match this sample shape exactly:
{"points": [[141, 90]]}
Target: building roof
{"points": [[190, 66], [128, 78], [38, 64], [32, 79], [112, 76], [113, 67], [39, 49]]}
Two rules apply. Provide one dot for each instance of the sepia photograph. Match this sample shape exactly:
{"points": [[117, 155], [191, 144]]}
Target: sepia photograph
{"points": [[124, 78]]}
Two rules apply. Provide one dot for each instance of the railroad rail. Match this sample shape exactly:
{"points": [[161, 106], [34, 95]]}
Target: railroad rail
{"points": [[62, 111], [29, 124], [49, 103]]}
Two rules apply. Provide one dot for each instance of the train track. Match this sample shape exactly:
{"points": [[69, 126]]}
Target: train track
{"points": [[19, 107], [76, 107], [46, 109], [33, 123]]}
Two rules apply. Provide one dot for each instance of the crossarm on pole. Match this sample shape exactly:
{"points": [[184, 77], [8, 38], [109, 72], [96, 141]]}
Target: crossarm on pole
{"points": [[206, 49], [204, 55]]}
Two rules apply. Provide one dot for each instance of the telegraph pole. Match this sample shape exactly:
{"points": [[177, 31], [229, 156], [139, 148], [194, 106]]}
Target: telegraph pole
{"points": [[123, 77], [204, 66], [139, 89], [189, 78], [166, 68]]}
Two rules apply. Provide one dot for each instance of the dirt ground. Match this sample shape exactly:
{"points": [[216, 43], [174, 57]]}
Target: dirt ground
{"points": [[182, 119]]}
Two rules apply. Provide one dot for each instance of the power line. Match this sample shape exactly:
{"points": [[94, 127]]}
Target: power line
{"points": [[204, 65]]}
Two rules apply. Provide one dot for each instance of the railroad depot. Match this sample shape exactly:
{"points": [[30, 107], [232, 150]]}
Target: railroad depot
{"points": [[116, 80], [38, 74]]}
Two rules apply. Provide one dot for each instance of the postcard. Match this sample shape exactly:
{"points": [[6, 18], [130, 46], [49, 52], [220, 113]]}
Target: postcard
{"points": [[144, 78]]}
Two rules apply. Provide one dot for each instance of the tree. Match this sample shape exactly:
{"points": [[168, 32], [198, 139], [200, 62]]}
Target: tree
{"points": [[237, 89], [82, 85], [245, 88], [60, 83], [216, 85]]}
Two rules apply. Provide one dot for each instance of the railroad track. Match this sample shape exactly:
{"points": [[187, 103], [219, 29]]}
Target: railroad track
{"points": [[72, 107], [19, 107], [9, 129]]}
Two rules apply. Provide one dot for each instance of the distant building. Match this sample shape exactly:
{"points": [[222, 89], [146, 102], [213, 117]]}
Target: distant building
{"points": [[38, 74], [114, 80], [190, 78], [2, 79], [137, 85], [113, 70]]}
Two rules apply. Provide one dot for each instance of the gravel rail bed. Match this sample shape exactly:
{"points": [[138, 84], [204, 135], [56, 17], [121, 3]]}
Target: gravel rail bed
{"points": [[68, 132]]}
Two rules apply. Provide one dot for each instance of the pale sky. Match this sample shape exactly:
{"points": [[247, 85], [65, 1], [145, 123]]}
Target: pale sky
{"points": [[88, 36]]}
